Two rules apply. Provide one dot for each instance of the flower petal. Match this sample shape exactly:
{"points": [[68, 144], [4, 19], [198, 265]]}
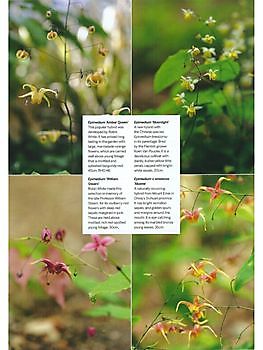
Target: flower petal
{"points": [[96, 238], [102, 252], [107, 240], [89, 246]]}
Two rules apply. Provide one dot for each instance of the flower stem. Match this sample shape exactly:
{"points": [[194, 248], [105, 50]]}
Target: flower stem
{"points": [[119, 269], [66, 89], [62, 248]]}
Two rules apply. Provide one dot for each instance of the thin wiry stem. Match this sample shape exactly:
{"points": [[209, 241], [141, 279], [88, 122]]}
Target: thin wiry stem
{"points": [[66, 89], [62, 248], [187, 189], [118, 268], [243, 331]]}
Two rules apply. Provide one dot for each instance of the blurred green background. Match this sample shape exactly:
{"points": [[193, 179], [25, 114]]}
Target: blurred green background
{"points": [[222, 139], [228, 241], [28, 27]]}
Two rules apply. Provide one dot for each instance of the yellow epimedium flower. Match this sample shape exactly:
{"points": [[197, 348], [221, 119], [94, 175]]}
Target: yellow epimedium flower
{"points": [[208, 39], [209, 60], [179, 99], [188, 83], [233, 54], [194, 51], [246, 81], [192, 109], [96, 78], [37, 95], [22, 55], [223, 28], [52, 35], [208, 52], [188, 14], [211, 74], [52, 136], [72, 138], [210, 21]]}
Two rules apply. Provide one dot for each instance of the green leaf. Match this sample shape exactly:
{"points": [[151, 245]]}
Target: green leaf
{"points": [[111, 310], [171, 70], [227, 69], [85, 283], [113, 284], [245, 274]]}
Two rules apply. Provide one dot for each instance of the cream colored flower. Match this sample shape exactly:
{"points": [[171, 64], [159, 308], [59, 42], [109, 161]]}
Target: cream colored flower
{"points": [[208, 39], [188, 83], [194, 51], [37, 95], [179, 99], [211, 74], [95, 79], [210, 21], [210, 60], [188, 14], [208, 52], [233, 54], [191, 109]]}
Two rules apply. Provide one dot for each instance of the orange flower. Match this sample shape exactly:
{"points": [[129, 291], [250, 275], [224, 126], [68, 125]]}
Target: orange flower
{"points": [[198, 269], [196, 330], [193, 216], [197, 309]]}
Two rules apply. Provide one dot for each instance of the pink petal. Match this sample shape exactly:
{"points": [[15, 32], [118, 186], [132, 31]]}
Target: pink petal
{"points": [[102, 252], [57, 283], [89, 246], [57, 286], [96, 238], [107, 240]]}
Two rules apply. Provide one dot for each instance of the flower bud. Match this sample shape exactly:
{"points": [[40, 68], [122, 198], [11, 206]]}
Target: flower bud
{"points": [[91, 29], [46, 235], [60, 235], [52, 35], [91, 331], [48, 14], [22, 54]]}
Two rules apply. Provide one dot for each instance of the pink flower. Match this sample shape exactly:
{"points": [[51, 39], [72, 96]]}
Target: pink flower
{"points": [[99, 245], [217, 190], [57, 281], [46, 235], [60, 235], [54, 267], [91, 331]]}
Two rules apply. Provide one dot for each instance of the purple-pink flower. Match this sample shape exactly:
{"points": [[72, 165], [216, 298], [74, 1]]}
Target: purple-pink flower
{"points": [[99, 245], [46, 235], [54, 267], [60, 235]]}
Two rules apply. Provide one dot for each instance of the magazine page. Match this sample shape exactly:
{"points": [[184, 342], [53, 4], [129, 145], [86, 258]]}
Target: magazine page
{"points": [[128, 175]]}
